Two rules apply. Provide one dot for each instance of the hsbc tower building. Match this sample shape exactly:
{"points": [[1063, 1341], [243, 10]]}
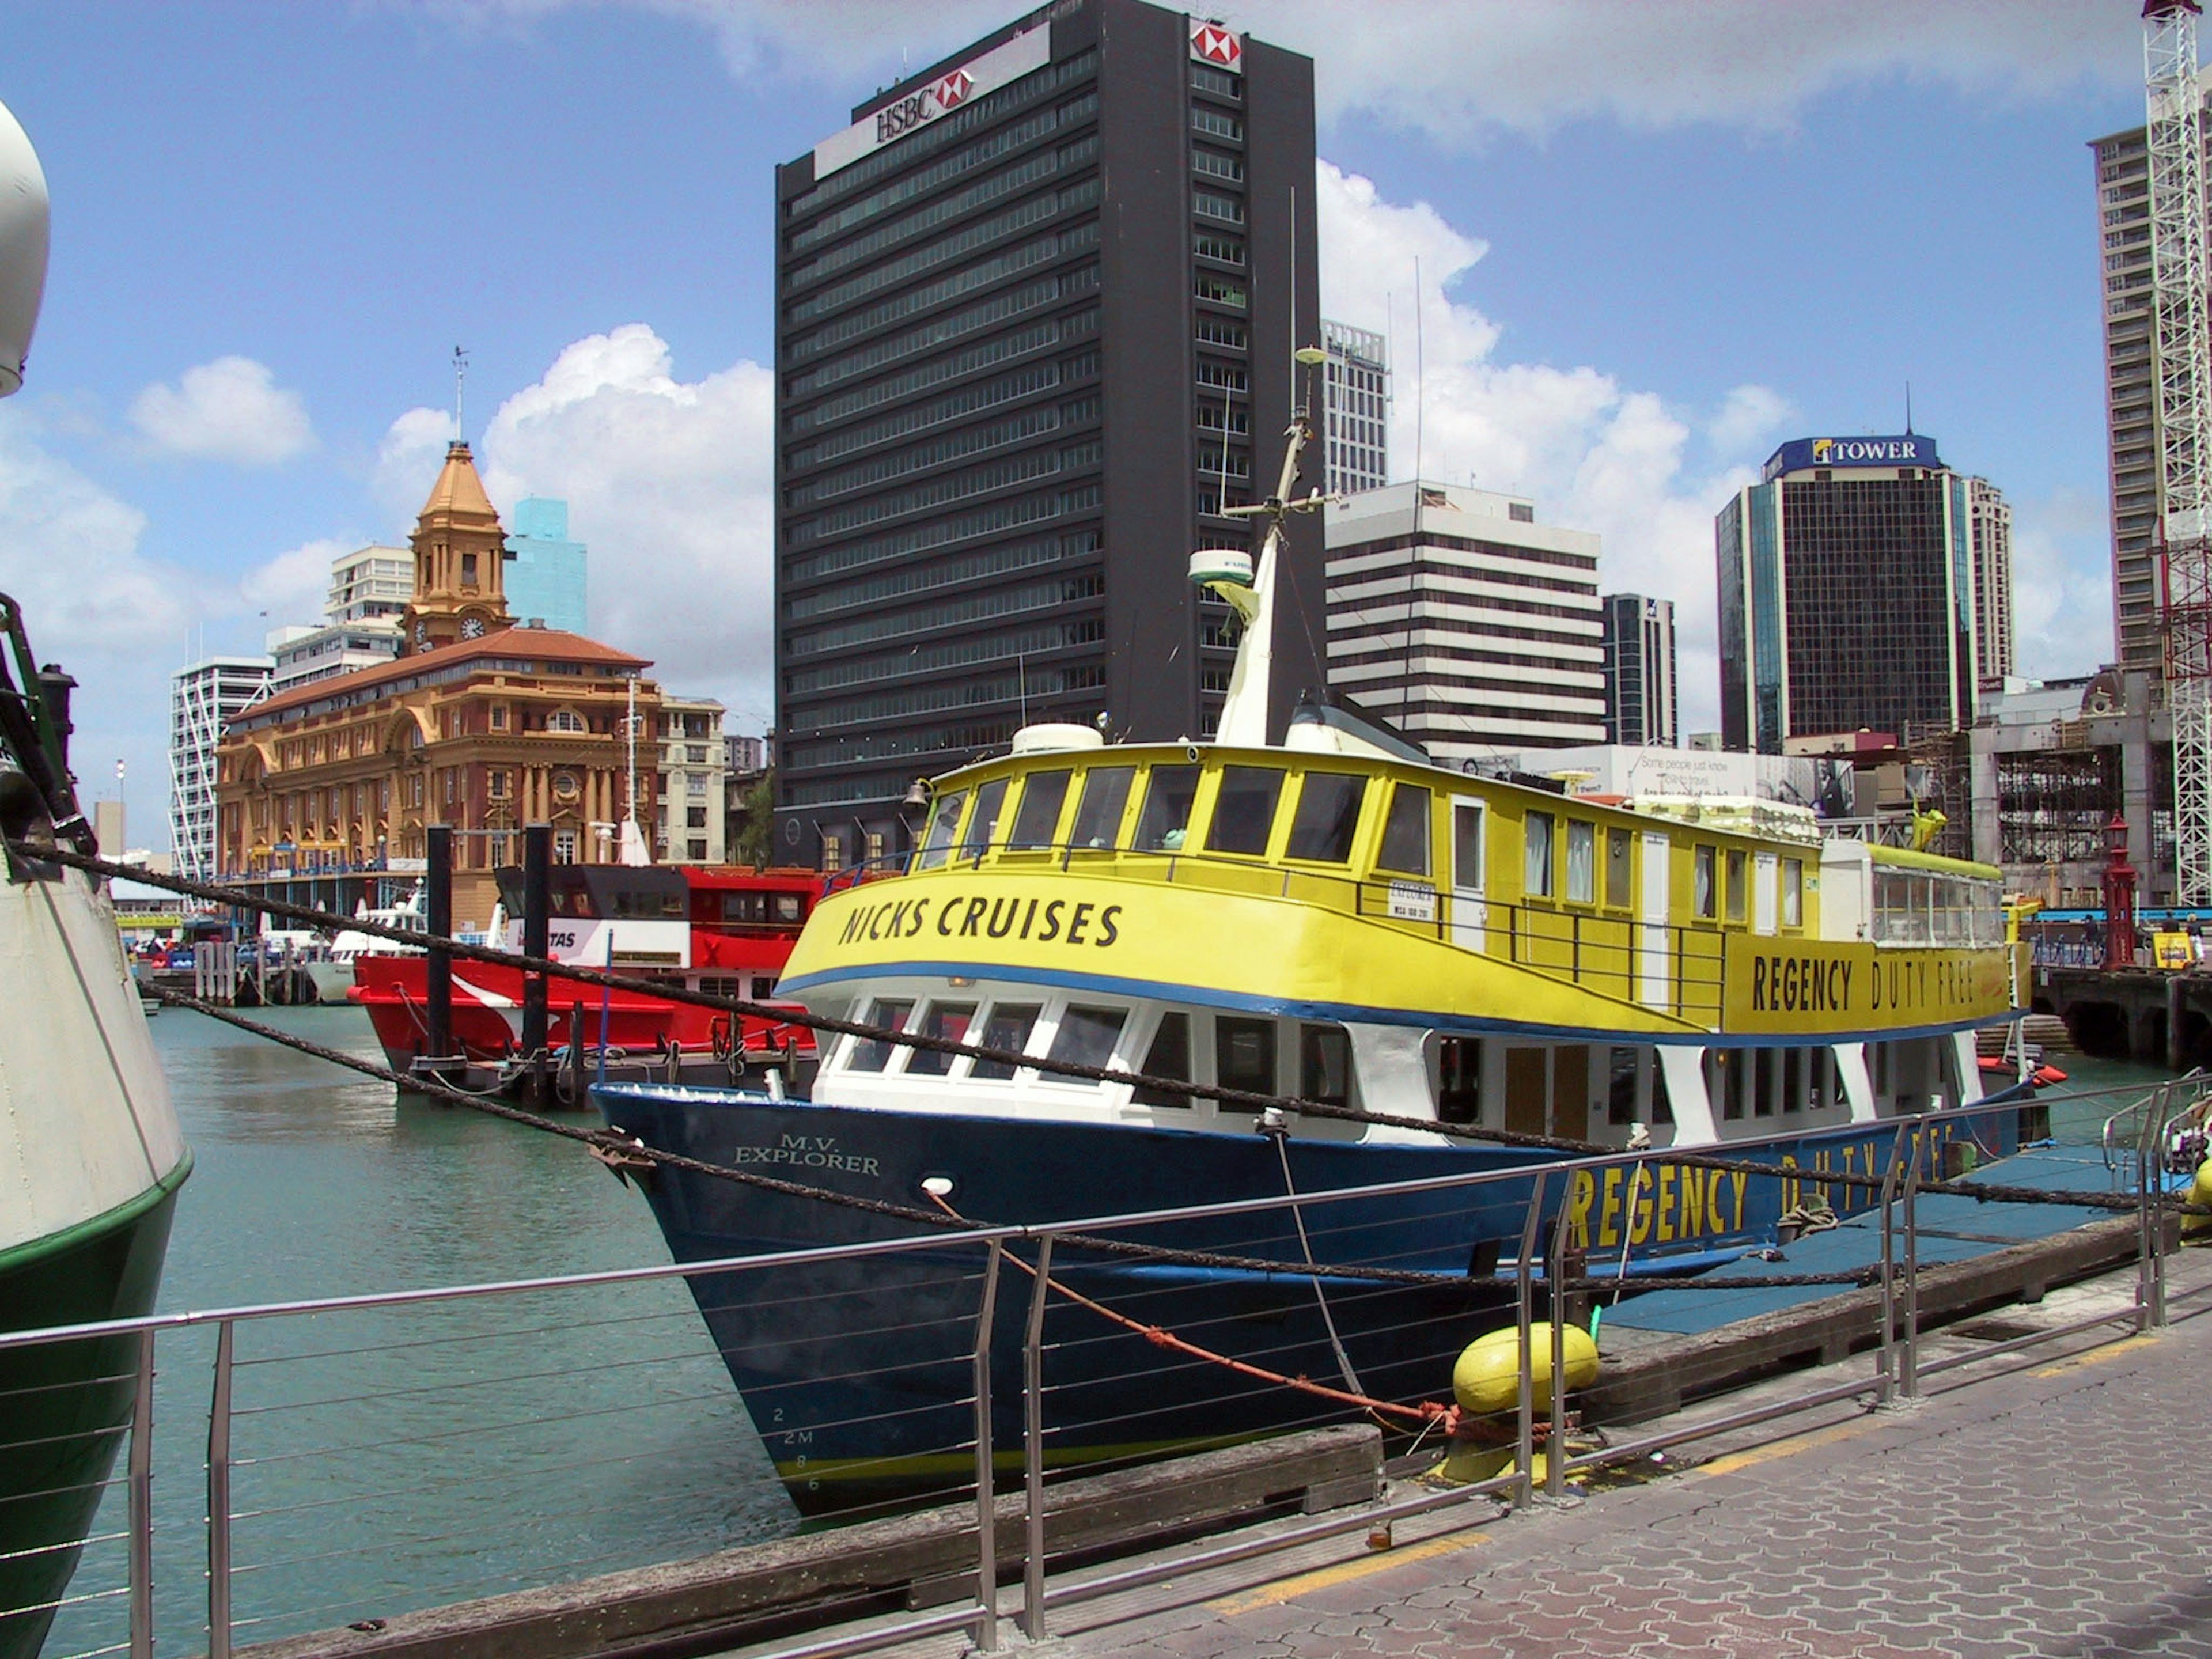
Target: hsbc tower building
{"points": [[1035, 314]]}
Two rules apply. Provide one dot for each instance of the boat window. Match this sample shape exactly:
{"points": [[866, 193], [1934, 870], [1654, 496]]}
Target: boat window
{"points": [[1616, 868], [1406, 831], [949, 1020], [1244, 809], [1721, 1067], [1098, 814], [937, 844], [1620, 1093], [1008, 1027], [1042, 794], [788, 907], [1764, 1080], [1458, 1080], [763, 987], [1662, 1105], [1793, 892], [1582, 862], [1166, 815], [1327, 814], [1086, 1036], [870, 1053], [1702, 863], [651, 907], [1820, 1090], [1735, 884], [1793, 1079], [1244, 1054], [1536, 850], [1466, 845], [1325, 1065], [1169, 1056], [983, 827]]}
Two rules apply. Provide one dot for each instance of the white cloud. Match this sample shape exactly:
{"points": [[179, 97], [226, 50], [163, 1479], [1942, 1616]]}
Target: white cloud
{"points": [[296, 585], [230, 409], [1595, 454], [2062, 584], [1454, 67], [668, 481]]}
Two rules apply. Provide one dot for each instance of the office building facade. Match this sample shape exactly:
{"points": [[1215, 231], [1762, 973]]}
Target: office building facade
{"points": [[547, 578], [2122, 182], [693, 764], [202, 698], [1098, 207], [1639, 669], [1461, 621], [1846, 590], [370, 584], [1359, 408], [1989, 520]]}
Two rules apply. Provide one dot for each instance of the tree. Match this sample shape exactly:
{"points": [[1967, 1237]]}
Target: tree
{"points": [[755, 841]]}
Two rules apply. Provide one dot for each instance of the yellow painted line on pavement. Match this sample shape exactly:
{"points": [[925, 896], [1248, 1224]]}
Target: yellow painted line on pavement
{"points": [[2120, 1350], [1288, 1589], [1731, 1461]]}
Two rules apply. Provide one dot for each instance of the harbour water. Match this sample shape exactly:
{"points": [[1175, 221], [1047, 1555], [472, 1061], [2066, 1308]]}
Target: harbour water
{"points": [[415, 1456]]}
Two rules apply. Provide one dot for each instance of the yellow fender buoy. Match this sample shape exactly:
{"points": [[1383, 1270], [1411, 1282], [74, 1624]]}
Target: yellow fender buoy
{"points": [[2200, 1193], [1486, 1378]]}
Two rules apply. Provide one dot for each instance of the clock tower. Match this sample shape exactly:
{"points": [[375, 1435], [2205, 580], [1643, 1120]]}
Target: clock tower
{"points": [[460, 550]]}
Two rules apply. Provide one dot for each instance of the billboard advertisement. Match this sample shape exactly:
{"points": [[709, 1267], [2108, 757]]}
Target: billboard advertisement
{"points": [[1798, 456]]}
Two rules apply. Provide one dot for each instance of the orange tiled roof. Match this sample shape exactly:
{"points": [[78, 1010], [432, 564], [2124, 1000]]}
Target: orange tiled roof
{"points": [[537, 644]]}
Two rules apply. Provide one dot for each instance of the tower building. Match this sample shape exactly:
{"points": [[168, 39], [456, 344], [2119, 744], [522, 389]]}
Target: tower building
{"points": [[1639, 671], [202, 698], [1846, 585], [1359, 408], [546, 579], [460, 555], [1103, 208], [1989, 519]]}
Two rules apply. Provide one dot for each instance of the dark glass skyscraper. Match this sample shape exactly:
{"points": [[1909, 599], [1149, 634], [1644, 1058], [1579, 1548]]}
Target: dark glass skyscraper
{"points": [[1034, 331], [1639, 671], [1846, 581]]}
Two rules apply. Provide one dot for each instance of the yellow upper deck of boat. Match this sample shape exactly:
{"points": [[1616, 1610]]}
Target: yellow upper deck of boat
{"points": [[1364, 885]]}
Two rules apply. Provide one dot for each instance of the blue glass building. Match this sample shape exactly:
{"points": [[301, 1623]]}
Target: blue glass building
{"points": [[544, 576]]}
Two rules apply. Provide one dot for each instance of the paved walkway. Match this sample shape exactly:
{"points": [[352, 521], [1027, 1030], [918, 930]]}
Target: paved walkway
{"points": [[2063, 1507]]}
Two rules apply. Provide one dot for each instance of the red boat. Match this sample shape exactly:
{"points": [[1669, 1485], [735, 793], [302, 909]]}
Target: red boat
{"points": [[726, 930]]}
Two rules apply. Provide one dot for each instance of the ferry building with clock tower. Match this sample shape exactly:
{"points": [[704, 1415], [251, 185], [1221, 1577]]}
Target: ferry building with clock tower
{"points": [[324, 792]]}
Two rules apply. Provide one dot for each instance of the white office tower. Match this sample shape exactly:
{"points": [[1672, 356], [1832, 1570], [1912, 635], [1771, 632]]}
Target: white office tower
{"points": [[1456, 616], [1356, 397], [201, 698]]}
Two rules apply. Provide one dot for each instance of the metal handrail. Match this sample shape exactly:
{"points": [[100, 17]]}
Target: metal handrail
{"points": [[1901, 1371]]}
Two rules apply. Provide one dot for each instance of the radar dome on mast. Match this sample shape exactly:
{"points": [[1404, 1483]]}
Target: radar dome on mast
{"points": [[23, 221]]}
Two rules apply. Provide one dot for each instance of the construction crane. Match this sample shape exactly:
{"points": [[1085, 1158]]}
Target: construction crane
{"points": [[2174, 138]]}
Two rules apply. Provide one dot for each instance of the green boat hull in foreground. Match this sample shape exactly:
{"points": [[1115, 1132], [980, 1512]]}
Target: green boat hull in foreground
{"points": [[64, 1407]]}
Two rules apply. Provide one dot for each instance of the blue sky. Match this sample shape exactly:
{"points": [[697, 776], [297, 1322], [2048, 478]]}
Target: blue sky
{"points": [[1655, 237]]}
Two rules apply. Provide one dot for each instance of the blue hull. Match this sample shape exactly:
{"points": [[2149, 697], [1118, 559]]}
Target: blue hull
{"points": [[858, 1374]]}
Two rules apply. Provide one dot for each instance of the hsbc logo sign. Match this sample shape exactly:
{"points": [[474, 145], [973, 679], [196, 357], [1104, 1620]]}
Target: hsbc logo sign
{"points": [[918, 108], [1210, 43], [1004, 64]]}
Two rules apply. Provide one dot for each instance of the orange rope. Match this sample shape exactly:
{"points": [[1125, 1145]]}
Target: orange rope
{"points": [[1428, 1413]]}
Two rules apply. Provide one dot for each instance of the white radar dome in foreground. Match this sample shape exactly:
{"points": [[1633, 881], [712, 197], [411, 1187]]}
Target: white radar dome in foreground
{"points": [[22, 247]]}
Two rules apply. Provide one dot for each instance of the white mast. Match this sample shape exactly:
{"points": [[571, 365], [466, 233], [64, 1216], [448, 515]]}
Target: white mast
{"points": [[2174, 142]]}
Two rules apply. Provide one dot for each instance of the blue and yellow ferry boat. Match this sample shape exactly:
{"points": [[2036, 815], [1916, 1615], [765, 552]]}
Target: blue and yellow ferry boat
{"points": [[1334, 918]]}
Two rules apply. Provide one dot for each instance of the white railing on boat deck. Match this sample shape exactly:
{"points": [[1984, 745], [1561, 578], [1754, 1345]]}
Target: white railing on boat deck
{"points": [[280, 1462]]}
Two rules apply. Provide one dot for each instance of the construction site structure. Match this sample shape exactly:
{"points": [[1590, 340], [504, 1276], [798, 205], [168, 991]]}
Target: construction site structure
{"points": [[2174, 141]]}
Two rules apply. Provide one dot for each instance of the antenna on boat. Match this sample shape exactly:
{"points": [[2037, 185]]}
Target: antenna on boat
{"points": [[1229, 572]]}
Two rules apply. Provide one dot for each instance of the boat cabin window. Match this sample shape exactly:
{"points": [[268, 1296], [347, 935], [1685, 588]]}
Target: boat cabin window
{"points": [[1724, 1068], [1245, 810], [1702, 887], [872, 1054], [1043, 795], [763, 987], [1458, 1080], [1466, 845], [1616, 869], [1624, 1066], [937, 844], [1168, 795], [1086, 1036], [1327, 814], [1325, 1064], [1098, 814], [949, 1020], [1582, 862], [1406, 831], [1735, 884], [644, 904], [1765, 1080], [1169, 1056], [1008, 1027], [983, 827], [1793, 892], [1536, 849], [759, 909], [1244, 1053]]}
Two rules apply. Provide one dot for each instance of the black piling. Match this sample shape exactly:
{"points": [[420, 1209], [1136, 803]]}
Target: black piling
{"points": [[438, 873], [536, 938]]}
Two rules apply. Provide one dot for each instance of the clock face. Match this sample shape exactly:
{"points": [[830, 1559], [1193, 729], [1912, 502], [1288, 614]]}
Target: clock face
{"points": [[471, 628]]}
